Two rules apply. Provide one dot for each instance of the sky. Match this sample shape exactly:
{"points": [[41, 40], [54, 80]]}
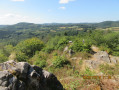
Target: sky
{"points": [[58, 11]]}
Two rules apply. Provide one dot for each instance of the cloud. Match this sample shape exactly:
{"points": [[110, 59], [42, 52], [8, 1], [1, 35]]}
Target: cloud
{"points": [[17, 0], [16, 18], [63, 8], [65, 1]]}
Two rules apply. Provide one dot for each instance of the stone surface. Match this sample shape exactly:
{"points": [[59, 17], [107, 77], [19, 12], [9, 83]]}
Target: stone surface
{"points": [[23, 76], [113, 60], [102, 56]]}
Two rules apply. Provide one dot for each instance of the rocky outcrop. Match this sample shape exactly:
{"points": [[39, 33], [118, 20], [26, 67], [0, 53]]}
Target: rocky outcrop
{"points": [[23, 76], [102, 56], [99, 58]]}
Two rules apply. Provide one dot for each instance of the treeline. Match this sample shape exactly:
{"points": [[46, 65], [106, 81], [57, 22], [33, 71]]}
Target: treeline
{"points": [[37, 52]]}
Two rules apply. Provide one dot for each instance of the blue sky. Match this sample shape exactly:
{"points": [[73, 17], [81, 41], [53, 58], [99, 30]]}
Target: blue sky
{"points": [[60, 11]]}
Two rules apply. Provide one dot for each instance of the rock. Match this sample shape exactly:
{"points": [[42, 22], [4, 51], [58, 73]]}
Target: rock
{"points": [[70, 41], [88, 63], [94, 48], [92, 64], [70, 52], [66, 49], [95, 64], [23, 76], [113, 60], [102, 56], [74, 58]]}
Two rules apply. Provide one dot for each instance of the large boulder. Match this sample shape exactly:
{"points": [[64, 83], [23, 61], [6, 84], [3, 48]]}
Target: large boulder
{"points": [[23, 76], [102, 56]]}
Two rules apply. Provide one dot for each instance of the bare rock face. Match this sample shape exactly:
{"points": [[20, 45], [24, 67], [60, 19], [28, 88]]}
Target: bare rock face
{"points": [[23, 76]]}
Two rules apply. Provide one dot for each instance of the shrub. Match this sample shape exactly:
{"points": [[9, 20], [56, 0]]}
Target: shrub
{"points": [[21, 57], [79, 46], [40, 63], [30, 46], [3, 58], [88, 72], [39, 59], [59, 61], [62, 43]]}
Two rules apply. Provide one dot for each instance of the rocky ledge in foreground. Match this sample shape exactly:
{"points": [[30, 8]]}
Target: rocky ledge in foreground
{"points": [[23, 76]]}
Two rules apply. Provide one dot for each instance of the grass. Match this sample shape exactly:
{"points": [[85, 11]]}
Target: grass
{"points": [[110, 70]]}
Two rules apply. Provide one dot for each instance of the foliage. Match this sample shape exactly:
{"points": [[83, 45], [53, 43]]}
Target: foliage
{"points": [[3, 58], [88, 72], [39, 59], [74, 85], [80, 45], [56, 43], [30, 46], [59, 61], [20, 56], [8, 49]]}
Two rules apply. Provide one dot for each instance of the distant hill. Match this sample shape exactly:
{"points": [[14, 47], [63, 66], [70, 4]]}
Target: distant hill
{"points": [[2, 26], [25, 25], [23, 30], [106, 24]]}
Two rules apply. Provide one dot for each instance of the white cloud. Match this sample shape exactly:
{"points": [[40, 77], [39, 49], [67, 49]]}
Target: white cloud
{"points": [[63, 8], [15, 18], [65, 1], [17, 0]]}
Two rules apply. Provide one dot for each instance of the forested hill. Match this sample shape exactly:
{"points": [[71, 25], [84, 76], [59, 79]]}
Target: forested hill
{"points": [[24, 25], [12, 34], [2, 26], [108, 24]]}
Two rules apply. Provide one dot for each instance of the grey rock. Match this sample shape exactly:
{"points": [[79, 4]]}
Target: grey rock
{"points": [[113, 60], [74, 58], [92, 64], [3, 88], [23, 76], [102, 56], [70, 52], [95, 64], [66, 49], [88, 63]]}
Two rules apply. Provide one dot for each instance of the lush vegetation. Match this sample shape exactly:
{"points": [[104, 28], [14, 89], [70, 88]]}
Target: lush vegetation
{"points": [[43, 45]]}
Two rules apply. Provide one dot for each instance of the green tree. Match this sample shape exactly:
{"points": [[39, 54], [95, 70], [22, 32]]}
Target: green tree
{"points": [[30, 46]]}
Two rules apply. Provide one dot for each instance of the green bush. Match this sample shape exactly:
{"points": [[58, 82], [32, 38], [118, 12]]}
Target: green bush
{"points": [[79, 46], [62, 43], [30, 46], [3, 58], [39, 59], [56, 43], [21, 57], [40, 63], [59, 61], [88, 72]]}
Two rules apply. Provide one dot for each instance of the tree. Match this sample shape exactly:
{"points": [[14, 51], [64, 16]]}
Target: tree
{"points": [[30, 46]]}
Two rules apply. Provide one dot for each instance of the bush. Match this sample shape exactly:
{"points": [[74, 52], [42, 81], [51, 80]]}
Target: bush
{"points": [[88, 72], [30, 46], [40, 63], [39, 59], [56, 43], [59, 61], [3, 58], [79, 46], [21, 57]]}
